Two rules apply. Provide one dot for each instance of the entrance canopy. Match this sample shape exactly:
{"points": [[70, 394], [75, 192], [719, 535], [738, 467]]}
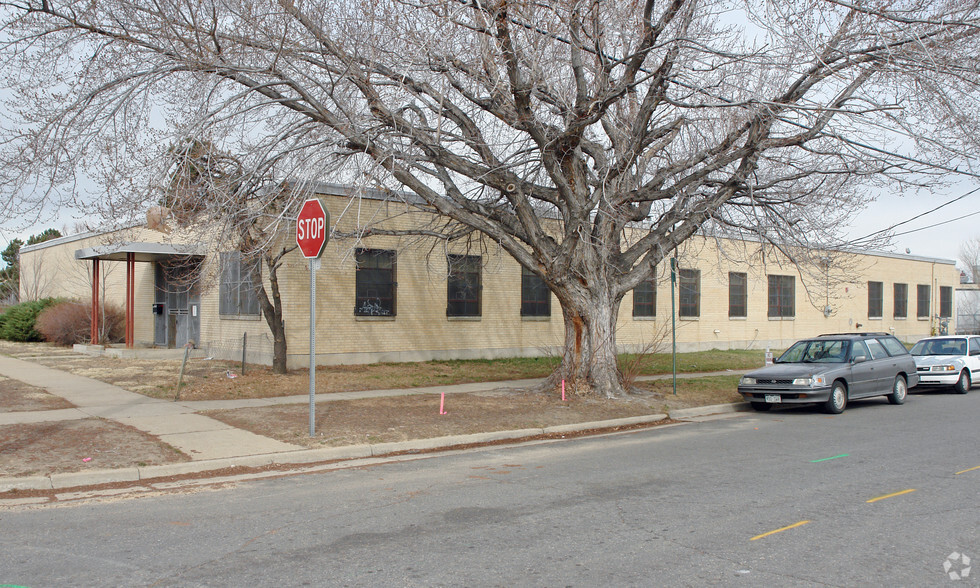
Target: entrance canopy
{"points": [[130, 253], [139, 251]]}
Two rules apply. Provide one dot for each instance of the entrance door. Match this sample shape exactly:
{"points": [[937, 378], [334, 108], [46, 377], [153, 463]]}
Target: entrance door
{"points": [[177, 303]]}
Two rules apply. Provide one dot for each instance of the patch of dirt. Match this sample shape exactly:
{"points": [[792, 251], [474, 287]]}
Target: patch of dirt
{"points": [[16, 396], [38, 449], [388, 419], [43, 448]]}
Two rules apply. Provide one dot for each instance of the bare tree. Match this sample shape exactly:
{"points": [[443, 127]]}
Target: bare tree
{"points": [[970, 256], [209, 189], [588, 139]]}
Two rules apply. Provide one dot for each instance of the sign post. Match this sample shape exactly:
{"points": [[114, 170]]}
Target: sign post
{"points": [[311, 236]]}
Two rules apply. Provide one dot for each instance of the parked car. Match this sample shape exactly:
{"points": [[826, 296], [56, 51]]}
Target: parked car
{"points": [[948, 361], [832, 370]]}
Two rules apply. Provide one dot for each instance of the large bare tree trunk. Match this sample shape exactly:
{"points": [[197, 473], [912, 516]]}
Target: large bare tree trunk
{"points": [[589, 359]]}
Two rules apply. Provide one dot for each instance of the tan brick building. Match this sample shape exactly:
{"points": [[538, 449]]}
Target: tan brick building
{"points": [[403, 299]]}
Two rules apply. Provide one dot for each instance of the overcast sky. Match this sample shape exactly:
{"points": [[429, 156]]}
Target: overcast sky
{"points": [[936, 234]]}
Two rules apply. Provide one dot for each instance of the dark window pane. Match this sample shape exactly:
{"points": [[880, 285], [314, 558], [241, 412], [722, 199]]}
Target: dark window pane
{"points": [[945, 302], [922, 301], [901, 300], [689, 293], [535, 295], [463, 289], [375, 284], [645, 299], [875, 299], [782, 296], [738, 294]]}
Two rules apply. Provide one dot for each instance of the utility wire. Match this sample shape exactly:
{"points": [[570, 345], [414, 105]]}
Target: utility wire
{"points": [[918, 216]]}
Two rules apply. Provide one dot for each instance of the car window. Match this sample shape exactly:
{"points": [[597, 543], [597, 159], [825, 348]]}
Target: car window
{"points": [[974, 345], [858, 349], [794, 354], [823, 351], [940, 347], [877, 351], [893, 346]]}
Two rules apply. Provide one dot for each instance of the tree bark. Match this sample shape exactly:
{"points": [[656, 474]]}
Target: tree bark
{"points": [[589, 359], [272, 311]]}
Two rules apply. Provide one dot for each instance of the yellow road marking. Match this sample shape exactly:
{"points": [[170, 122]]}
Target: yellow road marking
{"points": [[891, 495], [968, 470], [793, 526]]}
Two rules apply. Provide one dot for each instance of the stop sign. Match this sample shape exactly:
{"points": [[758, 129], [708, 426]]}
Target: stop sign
{"points": [[311, 228]]}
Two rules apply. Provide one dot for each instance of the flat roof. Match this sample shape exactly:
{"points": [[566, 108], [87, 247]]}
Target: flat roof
{"points": [[141, 251]]}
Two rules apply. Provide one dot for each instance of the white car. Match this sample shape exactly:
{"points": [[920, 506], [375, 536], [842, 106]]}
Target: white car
{"points": [[952, 360]]}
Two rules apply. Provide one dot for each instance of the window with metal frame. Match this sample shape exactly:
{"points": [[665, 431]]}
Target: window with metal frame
{"points": [[901, 300], [876, 294], [375, 285], [922, 301], [689, 293], [464, 285], [237, 295], [645, 299], [738, 295], [782, 296], [945, 302], [535, 295]]}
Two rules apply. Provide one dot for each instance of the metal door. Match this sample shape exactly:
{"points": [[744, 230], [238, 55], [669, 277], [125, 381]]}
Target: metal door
{"points": [[177, 319]]}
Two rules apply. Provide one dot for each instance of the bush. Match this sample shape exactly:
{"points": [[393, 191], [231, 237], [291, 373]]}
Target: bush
{"points": [[67, 323], [18, 322]]}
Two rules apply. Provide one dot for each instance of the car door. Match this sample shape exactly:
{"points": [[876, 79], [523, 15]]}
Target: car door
{"points": [[883, 367], [973, 358], [862, 382]]}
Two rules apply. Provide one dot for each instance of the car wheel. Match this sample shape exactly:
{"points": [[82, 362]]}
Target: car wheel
{"points": [[899, 391], [761, 406], [838, 399], [963, 384]]}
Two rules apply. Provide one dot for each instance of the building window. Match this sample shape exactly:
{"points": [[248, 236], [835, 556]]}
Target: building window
{"points": [[782, 296], [689, 293], [945, 302], [922, 301], [535, 295], [375, 284], [875, 299], [738, 295], [236, 291], [463, 291], [645, 299], [901, 300]]}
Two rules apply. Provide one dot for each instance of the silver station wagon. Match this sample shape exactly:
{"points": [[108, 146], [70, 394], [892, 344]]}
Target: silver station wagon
{"points": [[832, 370]]}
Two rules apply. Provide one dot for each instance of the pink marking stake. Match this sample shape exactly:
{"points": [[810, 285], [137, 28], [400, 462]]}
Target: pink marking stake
{"points": [[442, 403], [563, 390]]}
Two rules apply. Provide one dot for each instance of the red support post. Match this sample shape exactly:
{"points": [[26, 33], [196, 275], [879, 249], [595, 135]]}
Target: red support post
{"points": [[95, 301], [130, 297]]}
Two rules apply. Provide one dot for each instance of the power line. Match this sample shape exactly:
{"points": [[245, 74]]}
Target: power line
{"points": [[918, 216]]}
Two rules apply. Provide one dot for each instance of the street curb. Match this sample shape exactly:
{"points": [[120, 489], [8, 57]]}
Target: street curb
{"points": [[96, 477], [699, 411]]}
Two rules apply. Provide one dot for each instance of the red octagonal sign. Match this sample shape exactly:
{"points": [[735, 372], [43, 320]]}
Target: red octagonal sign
{"points": [[311, 228]]}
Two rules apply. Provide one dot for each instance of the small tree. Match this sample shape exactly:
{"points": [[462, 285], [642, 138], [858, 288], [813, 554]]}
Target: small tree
{"points": [[217, 188], [10, 275], [970, 257]]}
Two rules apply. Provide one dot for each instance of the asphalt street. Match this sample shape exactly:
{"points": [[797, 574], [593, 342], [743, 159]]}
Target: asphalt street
{"points": [[881, 495]]}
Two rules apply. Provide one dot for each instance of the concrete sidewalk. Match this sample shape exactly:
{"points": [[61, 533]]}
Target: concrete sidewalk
{"points": [[214, 445], [199, 437]]}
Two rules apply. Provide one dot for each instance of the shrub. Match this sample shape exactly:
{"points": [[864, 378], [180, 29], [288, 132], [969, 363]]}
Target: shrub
{"points": [[67, 323], [18, 322]]}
